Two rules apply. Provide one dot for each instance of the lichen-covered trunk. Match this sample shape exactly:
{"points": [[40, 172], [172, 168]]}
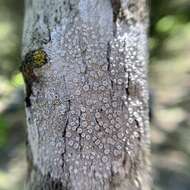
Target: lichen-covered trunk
{"points": [[84, 65]]}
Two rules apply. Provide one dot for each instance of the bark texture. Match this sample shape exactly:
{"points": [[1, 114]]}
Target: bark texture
{"points": [[84, 64]]}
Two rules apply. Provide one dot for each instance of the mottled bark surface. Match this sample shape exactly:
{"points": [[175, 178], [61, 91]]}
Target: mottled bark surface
{"points": [[84, 64]]}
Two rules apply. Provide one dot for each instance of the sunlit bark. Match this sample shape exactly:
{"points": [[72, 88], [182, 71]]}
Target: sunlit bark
{"points": [[84, 64]]}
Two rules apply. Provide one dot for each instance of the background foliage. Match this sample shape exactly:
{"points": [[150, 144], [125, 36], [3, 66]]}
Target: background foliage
{"points": [[170, 87]]}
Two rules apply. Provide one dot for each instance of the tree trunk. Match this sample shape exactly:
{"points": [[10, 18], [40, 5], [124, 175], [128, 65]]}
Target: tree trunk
{"points": [[84, 65]]}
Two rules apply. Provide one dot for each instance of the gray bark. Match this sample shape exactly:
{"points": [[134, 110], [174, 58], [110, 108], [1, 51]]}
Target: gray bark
{"points": [[84, 64]]}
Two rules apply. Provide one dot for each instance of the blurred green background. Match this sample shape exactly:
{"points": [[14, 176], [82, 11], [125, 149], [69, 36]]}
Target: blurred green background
{"points": [[169, 72]]}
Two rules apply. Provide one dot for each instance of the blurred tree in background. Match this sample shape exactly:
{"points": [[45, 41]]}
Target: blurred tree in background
{"points": [[167, 18], [11, 15], [169, 77]]}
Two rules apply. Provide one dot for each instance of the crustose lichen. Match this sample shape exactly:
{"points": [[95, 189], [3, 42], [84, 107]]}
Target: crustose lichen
{"points": [[33, 59]]}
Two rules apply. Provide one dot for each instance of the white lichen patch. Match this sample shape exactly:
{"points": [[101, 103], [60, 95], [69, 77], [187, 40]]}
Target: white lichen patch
{"points": [[88, 115]]}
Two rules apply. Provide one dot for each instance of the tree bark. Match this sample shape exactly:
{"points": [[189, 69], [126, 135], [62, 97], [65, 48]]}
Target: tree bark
{"points": [[84, 65]]}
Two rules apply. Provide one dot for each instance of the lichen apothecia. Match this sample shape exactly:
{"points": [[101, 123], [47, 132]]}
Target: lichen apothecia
{"points": [[39, 58]]}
